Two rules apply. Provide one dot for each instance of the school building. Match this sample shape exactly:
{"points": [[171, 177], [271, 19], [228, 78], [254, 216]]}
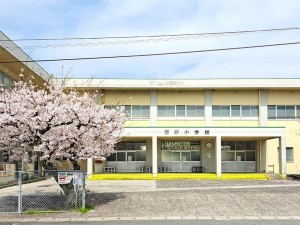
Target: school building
{"points": [[200, 125]]}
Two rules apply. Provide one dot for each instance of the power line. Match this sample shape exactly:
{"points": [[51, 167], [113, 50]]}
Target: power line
{"points": [[139, 40], [160, 35], [155, 54]]}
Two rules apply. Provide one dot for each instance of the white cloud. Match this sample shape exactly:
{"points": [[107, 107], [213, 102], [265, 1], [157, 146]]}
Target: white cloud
{"points": [[50, 18]]}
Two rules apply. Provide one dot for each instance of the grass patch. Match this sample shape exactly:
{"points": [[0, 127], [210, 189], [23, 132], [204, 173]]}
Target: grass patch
{"points": [[32, 212], [87, 209]]}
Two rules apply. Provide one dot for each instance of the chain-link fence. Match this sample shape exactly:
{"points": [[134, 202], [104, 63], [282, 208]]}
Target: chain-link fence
{"points": [[28, 191]]}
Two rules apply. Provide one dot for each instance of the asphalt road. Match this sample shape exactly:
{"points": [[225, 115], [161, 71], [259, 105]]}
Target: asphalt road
{"points": [[171, 222]]}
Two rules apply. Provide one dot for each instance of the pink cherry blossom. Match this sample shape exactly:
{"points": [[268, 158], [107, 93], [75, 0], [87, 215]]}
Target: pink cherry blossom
{"points": [[58, 123]]}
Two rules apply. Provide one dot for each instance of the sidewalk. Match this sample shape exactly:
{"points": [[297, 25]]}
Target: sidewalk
{"points": [[182, 199]]}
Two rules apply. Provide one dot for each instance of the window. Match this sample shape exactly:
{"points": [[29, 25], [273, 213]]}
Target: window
{"points": [[5, 79], [140, 111], [238, 151], [249, 111], [235, 111], [221, 111], [283, 111], [129, 151], [194, 111], [180, 111], [134, 111], [289, 154]]}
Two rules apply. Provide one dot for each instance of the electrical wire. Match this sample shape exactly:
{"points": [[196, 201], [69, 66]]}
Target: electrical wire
{"points": [[155, 36], [155, 54], [140, 39]]}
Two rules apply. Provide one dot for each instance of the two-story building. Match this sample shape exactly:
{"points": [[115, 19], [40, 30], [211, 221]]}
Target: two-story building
{"points": [[220, 125]]}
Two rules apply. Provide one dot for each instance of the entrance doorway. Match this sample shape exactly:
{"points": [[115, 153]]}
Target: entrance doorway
{"points": [[180, 161], [238, 156]]}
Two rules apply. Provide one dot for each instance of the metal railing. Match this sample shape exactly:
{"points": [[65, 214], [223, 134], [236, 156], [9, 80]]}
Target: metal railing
{"points": [[26, 191]]}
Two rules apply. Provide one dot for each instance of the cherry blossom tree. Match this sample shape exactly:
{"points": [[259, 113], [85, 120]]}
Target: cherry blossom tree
{"points": [[60, 124]]}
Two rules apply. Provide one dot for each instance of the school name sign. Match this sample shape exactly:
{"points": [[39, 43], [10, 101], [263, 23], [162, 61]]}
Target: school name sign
{"points": [[180, 145]]}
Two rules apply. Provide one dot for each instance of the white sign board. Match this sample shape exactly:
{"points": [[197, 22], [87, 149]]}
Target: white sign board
{"points": [[78, 178]]}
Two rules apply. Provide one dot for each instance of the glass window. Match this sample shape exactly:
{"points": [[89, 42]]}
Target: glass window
{"points": [[225, 111], [228, 145], [112, 157], [246, 111], [180, 111], [250, 156], [130, 145], [271, 112], [130, 156], [199, 111], [190, 111], [185, 156], [6, 82], [250, 145], [121, 145], [140, 145], [227, 156], [175, 156], [166, 156], [298, 111], [162, 111], [195, 156], [170, 111], [289, 154], [235, 111], [216, 111], [290, 112], [254, 111], [240, 145], [139, 111], [127, 111], [141, 156], [281, 112], [121, 156], [240, 156]]}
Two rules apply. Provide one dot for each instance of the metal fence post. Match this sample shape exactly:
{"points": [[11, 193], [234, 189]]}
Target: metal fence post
{"points": [[20, 192], [83, 190]]}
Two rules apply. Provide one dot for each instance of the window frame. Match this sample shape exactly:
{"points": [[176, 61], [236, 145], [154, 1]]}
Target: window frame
{"points": [[286, 116], [197, 110], [253, 112]]}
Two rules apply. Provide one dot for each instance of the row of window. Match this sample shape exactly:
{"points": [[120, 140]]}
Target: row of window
{"points": [[225, 111], [235, 111], [283, 111]]}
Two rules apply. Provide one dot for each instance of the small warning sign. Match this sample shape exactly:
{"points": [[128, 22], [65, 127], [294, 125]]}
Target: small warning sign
{"points": [[62, 178]]}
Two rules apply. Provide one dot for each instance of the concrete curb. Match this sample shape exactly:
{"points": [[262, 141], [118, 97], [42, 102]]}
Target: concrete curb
{"points": [[80, 219]]}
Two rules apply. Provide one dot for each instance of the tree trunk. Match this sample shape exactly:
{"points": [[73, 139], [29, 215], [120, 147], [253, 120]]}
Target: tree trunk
{"points": [[72, 193]]}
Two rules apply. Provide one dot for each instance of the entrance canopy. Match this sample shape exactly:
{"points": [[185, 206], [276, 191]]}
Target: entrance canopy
{"points": [[216, 135]]}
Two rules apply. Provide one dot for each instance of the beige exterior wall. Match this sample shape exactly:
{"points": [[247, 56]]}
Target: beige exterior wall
{"points": [[180, 123], [114, 97], [137, 123], [292, 140], [180, 98], [235, 123], [224, 97], [278, 97]]}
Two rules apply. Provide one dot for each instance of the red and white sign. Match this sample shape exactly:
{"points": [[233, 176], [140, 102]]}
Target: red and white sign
{"points": [[62, 177]]}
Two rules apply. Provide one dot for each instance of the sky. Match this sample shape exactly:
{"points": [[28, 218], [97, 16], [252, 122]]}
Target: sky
{"points": [[107, 18]]}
